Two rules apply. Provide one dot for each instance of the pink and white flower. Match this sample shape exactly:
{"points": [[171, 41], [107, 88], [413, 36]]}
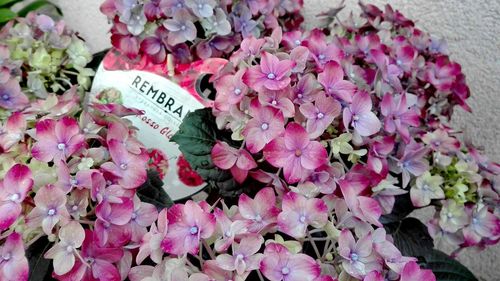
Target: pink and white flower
{"points": [[239, 162]]}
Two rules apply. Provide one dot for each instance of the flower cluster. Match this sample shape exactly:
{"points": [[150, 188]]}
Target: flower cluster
{"points": [[39, 56], [193, 29], [360, 114]]}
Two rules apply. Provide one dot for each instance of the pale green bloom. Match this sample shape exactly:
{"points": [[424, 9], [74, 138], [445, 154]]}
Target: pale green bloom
{"points": [[426, 188], [341, 144], [452, 216]]}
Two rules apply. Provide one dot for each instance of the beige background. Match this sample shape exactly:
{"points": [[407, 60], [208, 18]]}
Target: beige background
{"points": [[472, 29]]}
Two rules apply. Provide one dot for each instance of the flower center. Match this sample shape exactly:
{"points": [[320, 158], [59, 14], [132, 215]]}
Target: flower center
{"points": [[426, 187], [90, 260], [274, 102], [74, 208], [193, 230], [200, 6], [227, 233], [123, 166], [297, 42], [69, 249], [6, 256], [302, 219], [355, 117], [240, 256], [352, 75], [449, 215], [51, 212], [14, 197], [264, 126], [5, 97], [73, 181], [354, 257], [321, 57], [298, 152], [475, 220], [258, 218], [320, 115], [61, 146], [399, 62], [183, 27], [300, 96], [285, 270], [134, 215], [237, 91], [271, 76]]}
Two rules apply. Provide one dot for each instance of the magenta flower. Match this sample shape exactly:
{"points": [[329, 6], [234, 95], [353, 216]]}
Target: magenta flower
{"points": [[279, 100], [112, 226], [155, 49], [439, 140], [228, 230], [280, 264], [99, 262], [244, 256], [187, 224], [405, 57], [239, 162], [360, 116], [272, 73], [13, 262], [57, 140], [13, 189], [332, 79], [13, 131], [377, 157], [398, 115], [412, 272], [181, 28], [363, 207], [412, 162], [143, 216], [250, 47], [11, 96], [261, 211], [306, 89], [295, 153], [50, 208], [358, 257], [267, 124], [299, 212], [71, 237], [130, 169], [151, 241], [390, 72], [320, 115], [483, 224], [321, 51], [230, 89]]}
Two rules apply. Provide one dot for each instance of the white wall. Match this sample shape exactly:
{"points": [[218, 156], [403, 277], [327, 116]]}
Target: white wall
{"points": [[472, 29]]}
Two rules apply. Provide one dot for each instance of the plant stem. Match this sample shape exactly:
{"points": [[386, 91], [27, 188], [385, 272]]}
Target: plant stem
{"points": [[313, 244], [34, 239], [209, 250], [260, 275]]}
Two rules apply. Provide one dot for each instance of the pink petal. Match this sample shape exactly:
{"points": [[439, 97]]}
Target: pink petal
{"points": [[296, 136], [276, 153], [313, 156], [368, 124], [302, 268], [18, 179], [223, 155]]}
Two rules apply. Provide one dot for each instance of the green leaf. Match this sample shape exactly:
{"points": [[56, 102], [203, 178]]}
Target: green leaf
{"points": [[38, 5], [410, 236], [97, 59], [412, 239], [6, 15], [196, 137], [40, 268], [152, 191], [8, 3], [402, 208], [445, 268]]}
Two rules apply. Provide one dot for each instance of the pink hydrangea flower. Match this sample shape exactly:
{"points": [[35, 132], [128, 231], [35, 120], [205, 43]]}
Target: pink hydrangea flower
{"points": [[295, 153], [261, 211], [360, 116], [230, 89], [57, 140], [244, 256], [13, 131], [412, 272], [13, 189], [320, 115], [11, 96], [187, 224], [332, 80], [13, 262], [358, 256], [99, 262], [280, 264], [143, 216], [50, 209], [112, 226], [151, 241], [71, 237], [272, 73], [238, 161], [321, 51], [228, 230], [306, 89], [279, 99], [299, 212], [129, 169], [398, 115], [363, 207], [267, 124]]}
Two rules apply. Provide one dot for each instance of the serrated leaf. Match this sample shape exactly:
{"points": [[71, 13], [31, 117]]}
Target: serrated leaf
{"points": [[40, 268], [196, 137], [445, 268], [402, 208], [152, 191], [6, 15], [410, 236], [33, 6], [412, 239]]}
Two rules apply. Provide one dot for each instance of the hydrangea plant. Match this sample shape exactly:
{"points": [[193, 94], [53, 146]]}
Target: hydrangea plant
{"points": [[190, 30], [40, 56]]}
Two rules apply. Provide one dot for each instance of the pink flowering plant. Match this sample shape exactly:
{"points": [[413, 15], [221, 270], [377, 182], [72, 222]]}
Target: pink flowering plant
{"points": [[318, 146], [191, 30]]}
